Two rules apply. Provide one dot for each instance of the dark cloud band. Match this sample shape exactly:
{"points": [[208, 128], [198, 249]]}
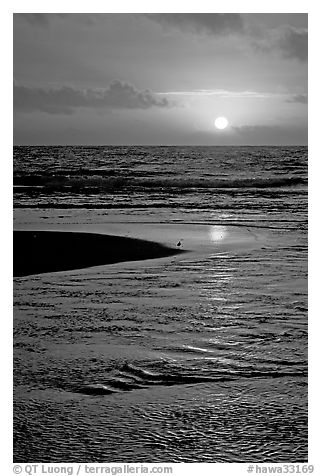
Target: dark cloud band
{"points": [[119, 95]]}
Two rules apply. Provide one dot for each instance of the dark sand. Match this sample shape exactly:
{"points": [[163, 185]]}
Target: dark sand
{"points": [[37, 252]]}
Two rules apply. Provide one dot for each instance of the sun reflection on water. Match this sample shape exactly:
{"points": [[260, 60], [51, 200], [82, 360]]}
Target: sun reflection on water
{"points": [[217, 233]]}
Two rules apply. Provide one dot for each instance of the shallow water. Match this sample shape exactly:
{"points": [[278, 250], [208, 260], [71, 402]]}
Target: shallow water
{"points": [[227, 357], [201, 357]]}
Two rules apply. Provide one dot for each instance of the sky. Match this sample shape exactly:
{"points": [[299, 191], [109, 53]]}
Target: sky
{"points": [[160, 79]]}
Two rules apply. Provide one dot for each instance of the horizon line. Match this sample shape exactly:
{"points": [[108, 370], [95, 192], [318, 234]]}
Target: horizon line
{"points": [[160, 145]]}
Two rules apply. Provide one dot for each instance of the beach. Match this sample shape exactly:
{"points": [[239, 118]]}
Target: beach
{"points": [[129, 347], [144, 335]]}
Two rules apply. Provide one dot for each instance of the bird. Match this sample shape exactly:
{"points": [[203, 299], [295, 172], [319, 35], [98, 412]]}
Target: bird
{"points": [[179, 243]]}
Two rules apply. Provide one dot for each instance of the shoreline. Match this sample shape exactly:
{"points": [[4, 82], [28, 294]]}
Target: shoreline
{"points": [[157, 240], [37, 252]]}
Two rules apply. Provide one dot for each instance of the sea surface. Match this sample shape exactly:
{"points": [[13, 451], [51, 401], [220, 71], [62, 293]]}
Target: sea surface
{"points": [[200, 357]]}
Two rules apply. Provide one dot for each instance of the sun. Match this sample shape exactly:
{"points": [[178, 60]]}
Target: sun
{"points": [[221, 123]]}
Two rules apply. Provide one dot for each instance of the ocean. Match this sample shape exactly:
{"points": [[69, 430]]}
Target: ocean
{"points": [[197, 357]]}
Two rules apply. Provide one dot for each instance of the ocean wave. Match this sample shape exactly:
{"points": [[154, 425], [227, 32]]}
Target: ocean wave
{"points": [[111, 182]]}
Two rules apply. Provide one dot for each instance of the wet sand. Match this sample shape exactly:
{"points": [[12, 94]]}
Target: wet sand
{"points": [[195, 357]]}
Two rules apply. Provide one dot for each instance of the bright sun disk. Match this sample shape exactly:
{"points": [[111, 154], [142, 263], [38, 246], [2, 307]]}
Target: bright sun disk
{"points": [[221, 123]]}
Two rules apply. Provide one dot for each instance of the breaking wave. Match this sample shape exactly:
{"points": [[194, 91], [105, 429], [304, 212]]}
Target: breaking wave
{"points": [[107, 183]]}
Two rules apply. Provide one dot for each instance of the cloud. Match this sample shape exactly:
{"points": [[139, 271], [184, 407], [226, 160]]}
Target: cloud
{"points": [[221, 93], [119, 95], [299, 98], [289, 42], [271, 135], [294, 43], [39, 19], [45, 20], [208, 23]]}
